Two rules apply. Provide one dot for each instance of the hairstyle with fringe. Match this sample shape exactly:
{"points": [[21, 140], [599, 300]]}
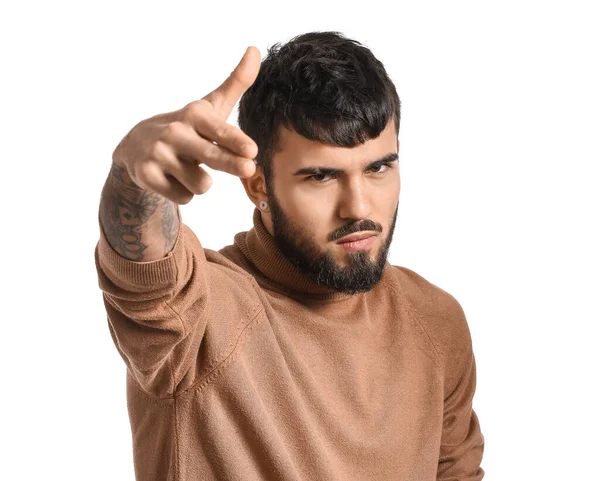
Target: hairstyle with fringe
{"points": [[323, 86]]}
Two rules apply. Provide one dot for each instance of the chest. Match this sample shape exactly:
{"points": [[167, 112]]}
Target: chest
{"points": [[368, 361]]}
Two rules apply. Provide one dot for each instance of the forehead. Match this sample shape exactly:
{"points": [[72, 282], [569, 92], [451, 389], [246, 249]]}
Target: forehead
{"points": [[294, 151]]}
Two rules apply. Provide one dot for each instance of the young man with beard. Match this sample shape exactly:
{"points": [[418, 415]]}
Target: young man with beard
{"points": [[298, 352]]}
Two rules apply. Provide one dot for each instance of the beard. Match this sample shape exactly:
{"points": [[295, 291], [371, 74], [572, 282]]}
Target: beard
{"points": [[360, 275]]}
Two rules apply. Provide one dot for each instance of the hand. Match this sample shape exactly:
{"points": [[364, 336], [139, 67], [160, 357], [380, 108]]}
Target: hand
{"points": [[162, 154]]}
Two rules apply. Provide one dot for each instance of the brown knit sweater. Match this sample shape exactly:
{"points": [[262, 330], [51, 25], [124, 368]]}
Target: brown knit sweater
{"points": [[240, 368]]}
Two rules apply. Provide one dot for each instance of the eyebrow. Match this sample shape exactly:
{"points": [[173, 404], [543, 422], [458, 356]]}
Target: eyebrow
{"points": [[315, 170]]}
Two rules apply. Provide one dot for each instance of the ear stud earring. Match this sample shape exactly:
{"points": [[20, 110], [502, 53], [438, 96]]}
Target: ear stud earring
{"points": [[263, 204]]}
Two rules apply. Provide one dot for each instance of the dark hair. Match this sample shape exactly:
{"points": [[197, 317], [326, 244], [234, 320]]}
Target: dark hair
{"points": [[323, 86]]}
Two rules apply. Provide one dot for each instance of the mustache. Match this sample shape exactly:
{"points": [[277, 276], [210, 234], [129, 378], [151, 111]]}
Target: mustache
{"points": [[362, 225]]}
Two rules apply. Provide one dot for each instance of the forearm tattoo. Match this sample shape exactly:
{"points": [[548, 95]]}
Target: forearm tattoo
{"points": [[125, 213], [170, 224]]}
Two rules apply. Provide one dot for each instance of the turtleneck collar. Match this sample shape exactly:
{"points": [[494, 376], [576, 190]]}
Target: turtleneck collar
{"points": [[278, 273]]}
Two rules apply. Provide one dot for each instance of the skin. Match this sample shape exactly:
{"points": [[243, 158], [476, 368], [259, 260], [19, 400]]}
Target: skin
{"points": [[308, 213]]}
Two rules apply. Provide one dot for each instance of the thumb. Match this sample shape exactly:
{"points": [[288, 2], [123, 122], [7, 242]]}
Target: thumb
{"points": [[224, 97]]}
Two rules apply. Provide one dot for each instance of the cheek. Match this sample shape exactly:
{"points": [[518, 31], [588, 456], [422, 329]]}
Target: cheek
{"points": [[313, 218], [305, 195], [390, 192], [388, 200], [384, 197], [312, 206]]}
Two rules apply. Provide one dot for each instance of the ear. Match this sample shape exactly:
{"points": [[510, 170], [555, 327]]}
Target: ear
{"points": [[256, 187]]}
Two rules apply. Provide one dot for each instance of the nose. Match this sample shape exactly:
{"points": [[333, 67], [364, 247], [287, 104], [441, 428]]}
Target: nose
{"points": [[355, 201]]}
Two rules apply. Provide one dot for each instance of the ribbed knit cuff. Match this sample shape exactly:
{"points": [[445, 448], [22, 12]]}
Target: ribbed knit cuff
{"points": [[125, 272]]}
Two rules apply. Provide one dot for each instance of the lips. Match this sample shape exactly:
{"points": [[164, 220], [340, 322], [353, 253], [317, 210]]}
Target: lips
{"points": [[355, 237]]}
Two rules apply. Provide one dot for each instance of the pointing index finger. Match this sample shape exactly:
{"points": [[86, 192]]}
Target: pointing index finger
{"points": [[224, 97]]}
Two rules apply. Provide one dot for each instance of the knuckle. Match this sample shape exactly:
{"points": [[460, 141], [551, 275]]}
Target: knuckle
{"points": [[222, 131], [210, 154], [173, 129], [144, 173], [158, 150], [193, 110], [230, 165]]}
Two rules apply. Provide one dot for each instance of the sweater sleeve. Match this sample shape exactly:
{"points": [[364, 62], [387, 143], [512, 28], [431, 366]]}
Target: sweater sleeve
{"points": [[462, 443], [158, 311]]}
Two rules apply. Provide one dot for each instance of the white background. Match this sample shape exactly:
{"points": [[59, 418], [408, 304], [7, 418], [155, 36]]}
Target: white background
{"points": [[499, 153]]}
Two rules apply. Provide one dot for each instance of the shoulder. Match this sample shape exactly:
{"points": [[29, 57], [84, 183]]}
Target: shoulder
{"points": [[439, 312], [218, 270]]}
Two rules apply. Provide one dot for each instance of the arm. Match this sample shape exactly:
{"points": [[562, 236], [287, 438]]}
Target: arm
{"points": [[139, 225], [160, 290], [462, 443], [161, 312], [144, 263]]}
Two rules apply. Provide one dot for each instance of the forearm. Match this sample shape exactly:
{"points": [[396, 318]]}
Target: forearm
{"points": [[139, 225]]}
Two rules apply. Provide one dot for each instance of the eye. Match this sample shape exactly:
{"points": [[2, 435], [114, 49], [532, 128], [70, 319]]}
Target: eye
{"points": [[376, 168], [318, 178]]}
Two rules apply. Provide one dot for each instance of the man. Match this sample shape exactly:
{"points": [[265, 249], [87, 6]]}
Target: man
{"points": [[298, 352]]}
